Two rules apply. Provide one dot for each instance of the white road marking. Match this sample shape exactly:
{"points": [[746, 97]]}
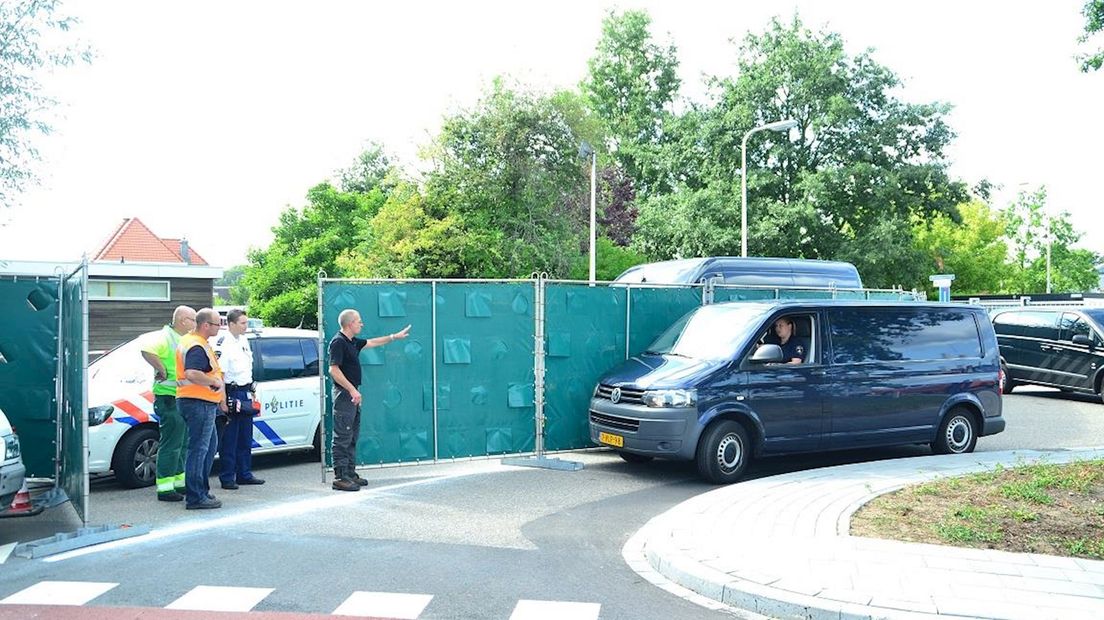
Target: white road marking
{"points": [[220, 598], [555, 610], [304, 506], [384, 605], [58, 593], [5, 551]]}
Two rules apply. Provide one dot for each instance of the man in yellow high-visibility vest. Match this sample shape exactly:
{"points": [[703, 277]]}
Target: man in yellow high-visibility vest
{"points": [[159, 351]]}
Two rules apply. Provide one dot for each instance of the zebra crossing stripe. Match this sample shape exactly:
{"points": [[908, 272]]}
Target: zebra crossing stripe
{"points": [[220, 598], [58, 593], [5, 551], [384, 605], [555, 610]]}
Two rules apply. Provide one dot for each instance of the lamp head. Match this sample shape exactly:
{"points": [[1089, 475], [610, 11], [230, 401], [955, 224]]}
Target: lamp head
{"points": [[785, 125]]}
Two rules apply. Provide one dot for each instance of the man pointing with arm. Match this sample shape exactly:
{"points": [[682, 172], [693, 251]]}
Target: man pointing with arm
{"points": [[345, 350]]}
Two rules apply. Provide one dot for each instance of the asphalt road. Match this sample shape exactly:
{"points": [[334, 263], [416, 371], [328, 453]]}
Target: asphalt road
{"points": [[477, 536]]}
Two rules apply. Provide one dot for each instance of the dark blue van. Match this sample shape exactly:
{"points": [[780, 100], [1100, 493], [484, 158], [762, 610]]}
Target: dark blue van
{"points": [[728, 382], [756, 271]]}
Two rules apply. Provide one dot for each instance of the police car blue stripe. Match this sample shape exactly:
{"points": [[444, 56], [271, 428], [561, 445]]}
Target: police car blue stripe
{"points": [[267, 431], [125, 419]]}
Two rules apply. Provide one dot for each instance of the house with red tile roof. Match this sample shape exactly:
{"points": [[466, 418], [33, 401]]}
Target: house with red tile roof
{"points": [[135, 280]]}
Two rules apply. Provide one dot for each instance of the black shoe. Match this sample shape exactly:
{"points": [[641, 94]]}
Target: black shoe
{"points": [[171, 496], [230, 485], [253, 480], [205, 505], [355, 477], [342, 484]]}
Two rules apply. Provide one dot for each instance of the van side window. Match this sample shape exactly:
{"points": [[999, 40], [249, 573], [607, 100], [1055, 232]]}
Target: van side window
{"points": [[281, 358], [888, 334], [1073, 325], [1033, 324], [799, 344]]}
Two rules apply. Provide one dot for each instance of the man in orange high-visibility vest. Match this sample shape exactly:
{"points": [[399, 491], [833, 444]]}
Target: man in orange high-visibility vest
{"points": [[200, 395]]}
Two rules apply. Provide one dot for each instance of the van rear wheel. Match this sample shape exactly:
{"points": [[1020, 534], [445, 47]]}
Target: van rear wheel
{"points": [[724, 452], [957, 433]]}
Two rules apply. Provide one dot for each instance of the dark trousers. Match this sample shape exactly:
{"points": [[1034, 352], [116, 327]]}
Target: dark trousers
{"points": [[346, 421], [236, 449], [199, 416]]}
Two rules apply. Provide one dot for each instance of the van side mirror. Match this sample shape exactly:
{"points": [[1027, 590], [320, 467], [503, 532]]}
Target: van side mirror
{"points": [[767, 354], [1083, 340]]}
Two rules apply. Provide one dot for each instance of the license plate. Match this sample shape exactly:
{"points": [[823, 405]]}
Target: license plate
{"points": [[611, 439]]}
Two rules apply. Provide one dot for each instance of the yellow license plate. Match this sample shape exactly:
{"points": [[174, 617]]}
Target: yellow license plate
{"points": [[613, 440]]}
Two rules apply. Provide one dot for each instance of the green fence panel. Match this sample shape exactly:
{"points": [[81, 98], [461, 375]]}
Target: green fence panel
{"points": [[850, 295], [396, 418], [722, 294], [891, 296], [29, 366], [73, 417], [585, 337], [652, 310], [485, 333]]}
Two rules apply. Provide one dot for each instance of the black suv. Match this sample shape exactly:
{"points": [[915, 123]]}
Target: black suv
{"points": [[1056, 347]]}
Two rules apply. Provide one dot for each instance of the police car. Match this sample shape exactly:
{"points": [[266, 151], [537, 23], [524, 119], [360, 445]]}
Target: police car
{"points": [[11, 465], [123, 435]]}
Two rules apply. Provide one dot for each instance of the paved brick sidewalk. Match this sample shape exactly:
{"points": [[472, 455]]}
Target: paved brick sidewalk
{"points": [[780, 547]]}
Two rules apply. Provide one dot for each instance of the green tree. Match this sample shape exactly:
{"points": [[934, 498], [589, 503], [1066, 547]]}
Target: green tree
{"points": [[610, 260], [846, 184], [233, 277], [505, 169], [1094, 25], [407, 242], [974, 250], [631, 84], [282, 279], [1030, 230], [28, 46]]}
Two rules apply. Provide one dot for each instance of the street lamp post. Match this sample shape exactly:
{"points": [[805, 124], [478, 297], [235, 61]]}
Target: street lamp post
{"points": [[1048, 254], [785, 125], [585, 150]]}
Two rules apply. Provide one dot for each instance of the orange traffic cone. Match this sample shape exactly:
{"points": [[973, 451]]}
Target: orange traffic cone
{"points": [[22, 501]]}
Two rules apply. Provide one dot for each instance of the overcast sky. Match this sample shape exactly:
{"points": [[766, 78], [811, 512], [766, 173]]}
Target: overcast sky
{"points": [[206, 119]]}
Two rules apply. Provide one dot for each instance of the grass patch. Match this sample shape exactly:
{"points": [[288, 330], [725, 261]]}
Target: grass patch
{"points": [[1032, 507]]}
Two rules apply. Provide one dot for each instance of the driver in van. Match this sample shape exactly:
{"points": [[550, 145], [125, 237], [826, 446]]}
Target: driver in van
{"points": [[794, 349]]}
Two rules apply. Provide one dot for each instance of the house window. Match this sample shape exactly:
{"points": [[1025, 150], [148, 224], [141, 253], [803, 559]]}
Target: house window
{"points": [[128, 290]]}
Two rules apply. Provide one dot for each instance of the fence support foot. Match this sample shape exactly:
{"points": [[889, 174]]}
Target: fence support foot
{"points": [[543, 462]]}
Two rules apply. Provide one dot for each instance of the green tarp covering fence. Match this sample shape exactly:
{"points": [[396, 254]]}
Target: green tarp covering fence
{"points": [[43, 353]]}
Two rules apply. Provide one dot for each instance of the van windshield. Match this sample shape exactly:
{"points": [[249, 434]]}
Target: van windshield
{"points": [[666, 272], [711, 333]]}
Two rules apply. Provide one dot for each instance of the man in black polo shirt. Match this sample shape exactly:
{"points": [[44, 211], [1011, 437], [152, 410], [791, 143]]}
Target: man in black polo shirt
{"points": [[345, 370], [793, 348]]}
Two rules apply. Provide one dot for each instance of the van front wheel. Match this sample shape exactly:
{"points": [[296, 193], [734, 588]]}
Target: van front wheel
{"points": [[957, 434], [724, 452]]}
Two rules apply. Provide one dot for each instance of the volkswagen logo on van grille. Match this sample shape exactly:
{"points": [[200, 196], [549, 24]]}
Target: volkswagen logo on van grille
{"points": [[615, 395]]}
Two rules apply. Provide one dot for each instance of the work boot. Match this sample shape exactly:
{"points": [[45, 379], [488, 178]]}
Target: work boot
{"points": [[341, 484], [171, 496], [355, 477]]}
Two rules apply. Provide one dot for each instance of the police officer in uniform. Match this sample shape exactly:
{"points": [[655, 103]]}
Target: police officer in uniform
{"points": [[793, 349], [236, 446]]}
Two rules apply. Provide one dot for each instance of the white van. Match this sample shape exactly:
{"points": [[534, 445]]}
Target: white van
{"points": [[123, 435]]}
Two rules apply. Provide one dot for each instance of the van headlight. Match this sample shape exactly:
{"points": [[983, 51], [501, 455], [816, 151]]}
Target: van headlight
{"points": [[97, 415], [11, 447], [670, 398]]}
